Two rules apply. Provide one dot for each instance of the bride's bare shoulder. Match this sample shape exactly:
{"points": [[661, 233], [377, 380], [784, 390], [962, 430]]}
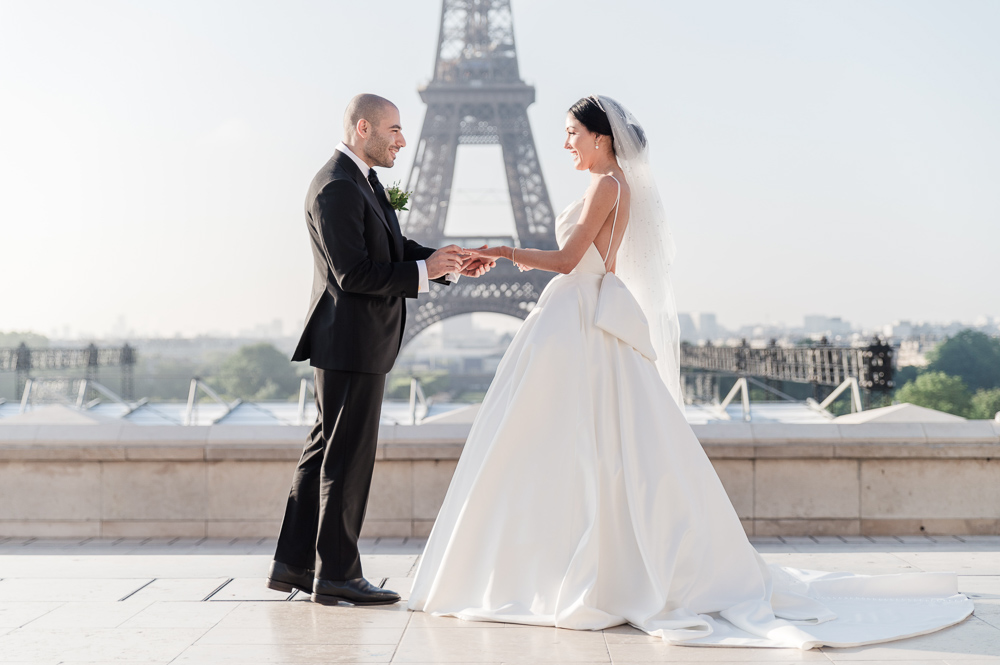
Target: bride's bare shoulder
{"points": [[603, 188]]}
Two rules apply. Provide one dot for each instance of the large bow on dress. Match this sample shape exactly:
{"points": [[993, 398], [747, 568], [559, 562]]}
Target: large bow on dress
{"points": [[619, 314]]}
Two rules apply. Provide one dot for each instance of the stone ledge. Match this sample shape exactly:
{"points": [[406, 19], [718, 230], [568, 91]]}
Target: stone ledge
{"points": [[114, 442], [373, 528], [193, 483]]}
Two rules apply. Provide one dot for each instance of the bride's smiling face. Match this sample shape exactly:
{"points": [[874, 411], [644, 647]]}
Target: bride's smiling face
{"points": [[580, 143]]}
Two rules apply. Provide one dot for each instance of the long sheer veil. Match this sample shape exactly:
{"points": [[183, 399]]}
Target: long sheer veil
{"points": [[647, 250]]}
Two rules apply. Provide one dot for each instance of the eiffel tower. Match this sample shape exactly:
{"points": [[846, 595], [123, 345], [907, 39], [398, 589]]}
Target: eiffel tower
{"points": [[477, 97]]}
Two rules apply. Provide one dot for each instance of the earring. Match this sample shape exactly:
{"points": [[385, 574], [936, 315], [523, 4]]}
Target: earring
{"points": [[597, 145]]}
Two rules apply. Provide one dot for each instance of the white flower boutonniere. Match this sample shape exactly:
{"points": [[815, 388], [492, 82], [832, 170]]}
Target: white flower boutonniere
{"points": [[397, 197]]}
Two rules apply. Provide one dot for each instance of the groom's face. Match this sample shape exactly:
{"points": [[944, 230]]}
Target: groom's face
{"points": [[385, 138]]}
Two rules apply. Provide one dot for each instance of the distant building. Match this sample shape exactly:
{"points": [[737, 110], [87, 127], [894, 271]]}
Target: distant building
{"points": [[708, 327], [817, 325], [689, 331], [463, 333], [912, 352], [699, 327], [272, 330], [898, 330]]}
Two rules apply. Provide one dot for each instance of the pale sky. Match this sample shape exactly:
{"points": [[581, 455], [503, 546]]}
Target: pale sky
{"points": [[839, 158]]}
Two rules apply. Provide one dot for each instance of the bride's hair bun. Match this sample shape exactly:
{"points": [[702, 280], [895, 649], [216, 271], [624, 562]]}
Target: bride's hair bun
{"points": [[636, 131]]}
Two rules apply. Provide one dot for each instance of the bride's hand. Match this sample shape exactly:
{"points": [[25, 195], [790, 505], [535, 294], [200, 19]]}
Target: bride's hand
{"points": [[476, 265], [492, 253]]}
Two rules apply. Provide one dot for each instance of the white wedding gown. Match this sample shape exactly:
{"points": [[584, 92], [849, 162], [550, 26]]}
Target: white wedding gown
{"points": [[583, 500]]}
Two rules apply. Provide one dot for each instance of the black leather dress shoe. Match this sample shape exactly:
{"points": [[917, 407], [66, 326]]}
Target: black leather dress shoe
{"points": [[358, 591], [286, 578]]}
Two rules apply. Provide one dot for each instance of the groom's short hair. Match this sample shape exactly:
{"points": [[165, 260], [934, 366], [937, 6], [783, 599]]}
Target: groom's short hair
{"points": [[370, 107]]}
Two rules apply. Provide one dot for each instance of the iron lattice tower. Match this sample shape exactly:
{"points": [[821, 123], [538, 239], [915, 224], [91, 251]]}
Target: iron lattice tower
{"points": [[477, 97]]}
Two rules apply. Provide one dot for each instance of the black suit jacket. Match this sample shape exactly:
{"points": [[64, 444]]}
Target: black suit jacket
{"points": [[363, 270]]}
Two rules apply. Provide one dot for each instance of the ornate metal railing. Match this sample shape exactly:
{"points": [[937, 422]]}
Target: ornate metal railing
{"points": [[24, 360], [819, 364]]}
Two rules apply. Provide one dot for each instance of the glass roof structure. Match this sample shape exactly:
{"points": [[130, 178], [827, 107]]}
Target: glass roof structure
{"points": [[393, 413]]}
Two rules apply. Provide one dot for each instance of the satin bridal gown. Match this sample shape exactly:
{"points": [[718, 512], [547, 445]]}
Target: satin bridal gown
{"points": [[583, 500]]}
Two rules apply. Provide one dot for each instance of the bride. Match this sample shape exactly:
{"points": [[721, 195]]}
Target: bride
{"points": [[582, 498]]}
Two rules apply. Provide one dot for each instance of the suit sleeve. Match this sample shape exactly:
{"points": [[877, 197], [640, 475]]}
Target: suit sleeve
{"points": [[414, 251], [338, 214]]}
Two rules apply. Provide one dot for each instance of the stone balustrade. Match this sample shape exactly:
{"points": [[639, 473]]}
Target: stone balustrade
{"points": [[123, 480]]}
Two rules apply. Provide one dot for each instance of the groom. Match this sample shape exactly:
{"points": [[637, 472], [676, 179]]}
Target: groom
{"points": [[363, 270]]}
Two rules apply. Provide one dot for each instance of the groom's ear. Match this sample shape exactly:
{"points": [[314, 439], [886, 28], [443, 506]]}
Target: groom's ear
{"points": [[363, 128]]}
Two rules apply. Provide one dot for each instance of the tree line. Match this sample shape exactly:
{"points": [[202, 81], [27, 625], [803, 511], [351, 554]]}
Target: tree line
{"points": [[255, 372], [962, 377]]}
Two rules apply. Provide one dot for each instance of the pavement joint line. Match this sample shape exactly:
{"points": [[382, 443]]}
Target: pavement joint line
{"points": [[402, 636], [129, 595], [217, 590]]}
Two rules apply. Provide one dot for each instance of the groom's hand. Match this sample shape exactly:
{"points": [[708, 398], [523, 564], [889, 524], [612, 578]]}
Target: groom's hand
{"points": [[445, 260], [478, 266]]}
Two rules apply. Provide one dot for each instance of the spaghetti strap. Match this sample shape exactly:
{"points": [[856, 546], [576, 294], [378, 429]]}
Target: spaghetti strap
{"points": [[615, 221]]}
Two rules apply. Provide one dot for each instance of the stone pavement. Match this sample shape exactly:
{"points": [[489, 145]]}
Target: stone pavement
{"points": [[204, 601]]}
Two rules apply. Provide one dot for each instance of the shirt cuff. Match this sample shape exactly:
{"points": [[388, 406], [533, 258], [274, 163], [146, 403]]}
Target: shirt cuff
{"points": [[423, 286]]}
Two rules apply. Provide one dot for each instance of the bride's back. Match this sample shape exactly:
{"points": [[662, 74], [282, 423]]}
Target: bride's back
{"points": [[593, 260], [616, 222]]}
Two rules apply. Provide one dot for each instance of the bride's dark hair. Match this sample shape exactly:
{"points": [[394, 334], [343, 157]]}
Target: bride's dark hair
{"points": [[592, 117], [590, 114]]}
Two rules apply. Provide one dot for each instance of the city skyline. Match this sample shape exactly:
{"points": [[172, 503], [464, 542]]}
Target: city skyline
{"points": [[811, 324], [811, 157]]}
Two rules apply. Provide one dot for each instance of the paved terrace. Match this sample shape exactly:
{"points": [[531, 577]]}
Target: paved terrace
{"points": [[204, 601]]}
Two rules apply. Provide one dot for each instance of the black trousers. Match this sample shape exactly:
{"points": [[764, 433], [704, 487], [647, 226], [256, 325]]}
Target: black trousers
{"points": [[326, 505]]}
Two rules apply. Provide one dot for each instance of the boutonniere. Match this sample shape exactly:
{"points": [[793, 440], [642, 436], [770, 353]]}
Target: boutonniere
{"points": [[397, 197]]}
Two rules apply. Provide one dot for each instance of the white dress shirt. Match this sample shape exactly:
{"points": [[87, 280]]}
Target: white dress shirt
{"points": [[424, 284]]}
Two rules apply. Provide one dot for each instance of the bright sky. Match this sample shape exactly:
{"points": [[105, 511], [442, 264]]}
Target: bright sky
{"points": [[839, 158]]}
